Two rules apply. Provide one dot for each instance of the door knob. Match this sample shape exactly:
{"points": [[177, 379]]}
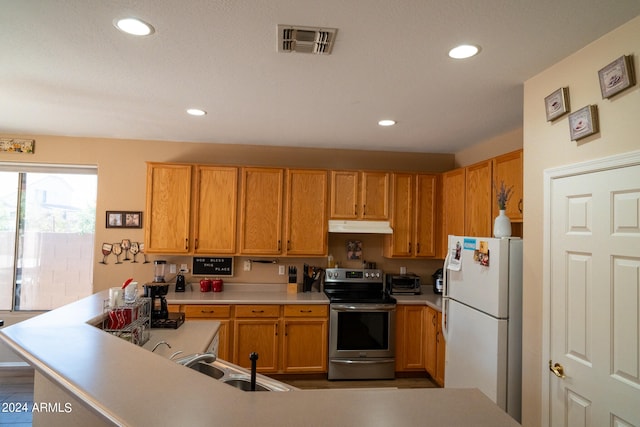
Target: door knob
{"points": [[557, 369]]}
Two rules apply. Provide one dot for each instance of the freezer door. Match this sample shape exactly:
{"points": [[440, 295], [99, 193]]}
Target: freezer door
{"points": [[476, 352], [485, 287]]}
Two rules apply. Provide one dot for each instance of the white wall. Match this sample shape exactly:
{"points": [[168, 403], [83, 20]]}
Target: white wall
{"points": [[548, 145]]}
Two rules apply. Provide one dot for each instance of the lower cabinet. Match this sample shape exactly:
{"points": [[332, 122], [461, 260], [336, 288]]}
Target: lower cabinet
{"points": [[410, 336], [305, 341], [220, 313], [256, 329], [434, 345]]}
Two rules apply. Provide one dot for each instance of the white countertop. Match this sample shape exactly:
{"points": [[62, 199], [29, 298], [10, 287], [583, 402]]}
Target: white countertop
{"points": [[120, 382]]}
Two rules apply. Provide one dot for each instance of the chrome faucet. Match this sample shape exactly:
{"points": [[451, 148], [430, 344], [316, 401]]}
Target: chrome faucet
{"points": [[158, 344], [192, 359]]}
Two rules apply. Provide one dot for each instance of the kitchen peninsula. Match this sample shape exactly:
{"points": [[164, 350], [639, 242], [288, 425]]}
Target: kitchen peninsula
{"points": [[104, 380]]}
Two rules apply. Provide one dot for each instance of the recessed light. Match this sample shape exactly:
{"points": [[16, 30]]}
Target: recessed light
{"points": [[134, 26], [387, 122], [464, 51], [196, 112]]}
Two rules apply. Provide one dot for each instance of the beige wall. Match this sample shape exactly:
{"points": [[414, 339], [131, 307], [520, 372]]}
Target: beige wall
{"points": [[122, 175], [548, 145], [505, 143]]}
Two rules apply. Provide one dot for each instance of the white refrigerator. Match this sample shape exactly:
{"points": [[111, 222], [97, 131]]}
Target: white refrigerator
{"points": [[482, 318]]}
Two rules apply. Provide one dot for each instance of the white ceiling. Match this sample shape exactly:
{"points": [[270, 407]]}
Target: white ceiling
{"points": [[66, 70]]}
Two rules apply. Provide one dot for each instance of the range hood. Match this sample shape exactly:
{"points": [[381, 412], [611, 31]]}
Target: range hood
{"points": [[374, 227]]}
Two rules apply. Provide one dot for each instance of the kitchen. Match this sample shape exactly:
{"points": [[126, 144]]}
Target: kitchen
{"points": [[538, 139]]}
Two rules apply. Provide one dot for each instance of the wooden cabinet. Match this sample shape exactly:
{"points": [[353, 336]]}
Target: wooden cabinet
{"points": [[214, 213], [453, 200], [359, 195], [413, 216], [304, 347], [434, 345], [294, 342], [478, 200], [508, 169], [410, 338], [174, 225], [168, 208], [261, 211], [256, 329], [220, 313], [306, 212]]}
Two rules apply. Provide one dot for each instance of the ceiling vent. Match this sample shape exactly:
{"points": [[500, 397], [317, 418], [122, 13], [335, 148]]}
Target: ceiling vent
{"points": [[306, 39]]}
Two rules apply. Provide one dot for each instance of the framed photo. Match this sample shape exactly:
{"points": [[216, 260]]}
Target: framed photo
{"points": [[583, 122], [617, 76], [123, 219], [557, 104]]}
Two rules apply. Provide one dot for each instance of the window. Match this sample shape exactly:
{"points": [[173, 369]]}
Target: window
{"points": [[47, 229]]}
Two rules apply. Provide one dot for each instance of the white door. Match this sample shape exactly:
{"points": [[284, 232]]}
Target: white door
{"points": [[594, 294]]}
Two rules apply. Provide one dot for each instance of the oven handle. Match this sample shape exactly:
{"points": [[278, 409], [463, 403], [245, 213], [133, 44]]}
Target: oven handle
{"points": [[367, 307], [361, 362]]}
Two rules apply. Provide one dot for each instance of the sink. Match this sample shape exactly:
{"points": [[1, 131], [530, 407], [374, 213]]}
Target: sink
{"points": [[208, 370], [245, 385]]}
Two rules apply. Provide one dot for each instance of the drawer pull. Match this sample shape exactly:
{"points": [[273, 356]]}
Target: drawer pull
{"points": [[306, 311], [207, 311], [257, 311]]}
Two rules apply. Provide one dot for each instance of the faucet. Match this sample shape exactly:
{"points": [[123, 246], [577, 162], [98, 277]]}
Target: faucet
{"points": [[254, 358], [158, 344], [192, 359]]}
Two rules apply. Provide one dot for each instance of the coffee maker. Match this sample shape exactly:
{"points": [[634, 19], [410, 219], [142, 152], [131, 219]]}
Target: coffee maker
{"points": [[157, 292]]}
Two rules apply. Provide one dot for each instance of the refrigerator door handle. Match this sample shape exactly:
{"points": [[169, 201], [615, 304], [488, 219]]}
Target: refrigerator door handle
{"points": [[445, 331], [445, 275]]}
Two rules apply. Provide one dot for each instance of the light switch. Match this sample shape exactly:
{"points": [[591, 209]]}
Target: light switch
{"points": [[247, 265], [281, 270]]}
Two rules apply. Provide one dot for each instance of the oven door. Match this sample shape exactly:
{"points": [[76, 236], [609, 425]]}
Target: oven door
{"points": [[359, 331]]}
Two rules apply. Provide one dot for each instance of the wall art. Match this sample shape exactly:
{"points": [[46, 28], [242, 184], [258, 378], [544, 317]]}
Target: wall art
{"points": [[15, 145], [584, 122], [617, 76], [557, 104], [123, 219]]}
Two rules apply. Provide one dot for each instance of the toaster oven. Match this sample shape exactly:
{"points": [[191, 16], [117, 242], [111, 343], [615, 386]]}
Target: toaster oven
{"points": [[403, 284]]}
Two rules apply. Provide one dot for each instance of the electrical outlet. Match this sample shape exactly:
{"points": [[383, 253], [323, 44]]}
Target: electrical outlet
{"points": [[281, 270], [247, 265], [172, 268], [184, 268]]}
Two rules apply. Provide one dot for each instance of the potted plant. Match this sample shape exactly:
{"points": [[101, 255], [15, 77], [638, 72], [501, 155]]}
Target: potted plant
{"points": [[502, 223]]}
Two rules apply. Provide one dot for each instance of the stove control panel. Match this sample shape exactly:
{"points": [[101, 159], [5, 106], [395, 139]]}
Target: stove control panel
{"points": [[353, 275]]}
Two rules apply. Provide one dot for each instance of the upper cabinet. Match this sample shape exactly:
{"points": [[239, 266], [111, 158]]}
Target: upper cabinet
{"points": [[453, 200], [478, 201], [413, 216], [168, 208], [261, 211], [508, 169], [214, 216], [306, 212], [359, 195]]}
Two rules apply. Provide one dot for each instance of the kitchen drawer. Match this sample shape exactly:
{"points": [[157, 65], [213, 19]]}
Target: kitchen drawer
{"points": [[207, 311], [257, 310], [306, 310]]}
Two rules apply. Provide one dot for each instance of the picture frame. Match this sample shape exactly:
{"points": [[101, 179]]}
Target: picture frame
{"points": [[617, 76], [584, 122], [123, 219], [557, 103]]}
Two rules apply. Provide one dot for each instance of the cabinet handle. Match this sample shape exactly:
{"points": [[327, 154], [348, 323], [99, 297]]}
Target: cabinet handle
{"points": [[285, 331], [279, 245], [438, 337], [186, 244], [306, 311], [288, 245], [418, 248], [276, 329], [520, 205], [207, 311], [196, 244], [257, 311], [355, 210], [433, 320], [364, 210], [409, 247]]}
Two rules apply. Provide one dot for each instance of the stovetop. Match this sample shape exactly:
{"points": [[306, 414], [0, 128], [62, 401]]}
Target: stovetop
{"points": [[365, 286]]}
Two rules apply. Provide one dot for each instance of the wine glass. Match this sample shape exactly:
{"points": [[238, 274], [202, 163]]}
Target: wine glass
{"points": [[106, 250], [126, 245], [117, 250], [135, 248], [146, 261]]}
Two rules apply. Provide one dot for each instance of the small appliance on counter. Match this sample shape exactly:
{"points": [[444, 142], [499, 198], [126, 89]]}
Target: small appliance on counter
{"points": [[403, 284], [158, 270], [160, 316], [437, 281], [180, 282]]}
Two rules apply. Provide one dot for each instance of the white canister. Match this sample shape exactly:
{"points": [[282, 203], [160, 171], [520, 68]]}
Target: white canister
{"points": [[116, 297]]}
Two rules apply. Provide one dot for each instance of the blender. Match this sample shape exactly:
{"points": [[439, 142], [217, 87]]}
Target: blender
{"points": [[158, 270]]}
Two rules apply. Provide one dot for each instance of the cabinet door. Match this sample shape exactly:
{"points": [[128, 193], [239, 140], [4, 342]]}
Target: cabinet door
{"points": [[259, 336], [375, 195], [409, 338], [453, 199], [220, 313], [261, 212], [425, 216], [216, 208], [344, 194], [305, 345], [478, 203], [168, 208], [508, 168], [306, 212], [402, 216], [440, 352], [431, 330]]}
